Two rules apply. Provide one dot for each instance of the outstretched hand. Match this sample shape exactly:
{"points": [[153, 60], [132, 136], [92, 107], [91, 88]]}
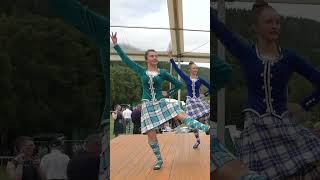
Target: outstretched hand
{"points": [[114, 38]]}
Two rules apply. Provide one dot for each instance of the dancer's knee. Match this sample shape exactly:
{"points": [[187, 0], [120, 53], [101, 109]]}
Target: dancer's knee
{"points": [[152, 135], [181, 116]]}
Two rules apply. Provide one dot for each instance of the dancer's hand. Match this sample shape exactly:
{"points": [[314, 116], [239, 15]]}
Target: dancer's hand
{"points": [[165, 94], [114, 38]]}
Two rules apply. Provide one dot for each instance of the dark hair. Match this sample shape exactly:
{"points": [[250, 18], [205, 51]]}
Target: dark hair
{"points": [[257, 8], [56, 143], [147, 52], [191, 63], [116, 106], [19, 142]]}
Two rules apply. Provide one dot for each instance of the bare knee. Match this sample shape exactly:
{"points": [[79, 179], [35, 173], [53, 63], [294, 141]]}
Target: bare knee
{"points": [[152, 135], [181, 116]]}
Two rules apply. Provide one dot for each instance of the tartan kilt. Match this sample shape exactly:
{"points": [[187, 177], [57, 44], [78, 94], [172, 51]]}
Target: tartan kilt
{"points": [[197, 107], [219, 155], [155, 113], [277, 147]]}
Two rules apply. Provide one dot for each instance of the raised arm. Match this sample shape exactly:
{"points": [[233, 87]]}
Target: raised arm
{"points": [[82, 18], [238, 48], [176, 83], [308, 71], [124, 57], [183, 75]]}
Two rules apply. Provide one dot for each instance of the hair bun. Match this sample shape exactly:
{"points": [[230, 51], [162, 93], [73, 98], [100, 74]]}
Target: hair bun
{"points": [[190, 63], [259, 4]]}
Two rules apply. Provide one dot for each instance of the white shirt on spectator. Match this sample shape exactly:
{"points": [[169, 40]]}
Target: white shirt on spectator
{"points": [[127, 114], [55, 164]]}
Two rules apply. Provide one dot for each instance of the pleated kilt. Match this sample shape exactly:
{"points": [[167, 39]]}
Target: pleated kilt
{"points": [[197, 107], [278, 147], [155, 113]]}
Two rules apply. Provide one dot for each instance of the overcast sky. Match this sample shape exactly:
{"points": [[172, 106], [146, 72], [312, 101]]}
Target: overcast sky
{"points": [[154, 13]]}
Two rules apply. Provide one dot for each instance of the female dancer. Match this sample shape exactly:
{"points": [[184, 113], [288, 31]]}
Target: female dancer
{"points": [[197, 107], [272, 143], [155, 110]]}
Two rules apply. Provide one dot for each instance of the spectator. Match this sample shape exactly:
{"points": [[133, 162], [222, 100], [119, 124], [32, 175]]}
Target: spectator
{"points": [[136, 119], [85, 165], [127, 120], [55, 163], [118, 121], [25, 166]]}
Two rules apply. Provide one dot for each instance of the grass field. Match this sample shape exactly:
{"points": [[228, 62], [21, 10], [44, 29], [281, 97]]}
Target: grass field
{"points": [[3, 175]]}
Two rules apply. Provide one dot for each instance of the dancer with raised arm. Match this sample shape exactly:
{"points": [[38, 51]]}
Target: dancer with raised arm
{"points": [[155, 109], [197, 107]]}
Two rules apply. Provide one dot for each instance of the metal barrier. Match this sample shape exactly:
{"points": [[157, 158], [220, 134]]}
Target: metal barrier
{"points": [[4, 160]]}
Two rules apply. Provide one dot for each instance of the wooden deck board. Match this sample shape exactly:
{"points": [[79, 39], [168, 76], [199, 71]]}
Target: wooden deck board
{"points": [[132, 158]]}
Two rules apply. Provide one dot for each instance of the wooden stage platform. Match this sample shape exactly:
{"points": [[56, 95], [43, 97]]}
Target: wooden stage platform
{"points": [[132, 158]]}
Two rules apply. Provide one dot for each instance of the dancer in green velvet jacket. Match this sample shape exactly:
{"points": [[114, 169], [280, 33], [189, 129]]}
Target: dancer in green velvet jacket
{"points": [[155, 109]]}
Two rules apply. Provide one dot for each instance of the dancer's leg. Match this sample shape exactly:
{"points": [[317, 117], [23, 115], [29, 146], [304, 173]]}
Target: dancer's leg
{"points": [[153, 142], [196, 134], [207, 119], [183, 117]]}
